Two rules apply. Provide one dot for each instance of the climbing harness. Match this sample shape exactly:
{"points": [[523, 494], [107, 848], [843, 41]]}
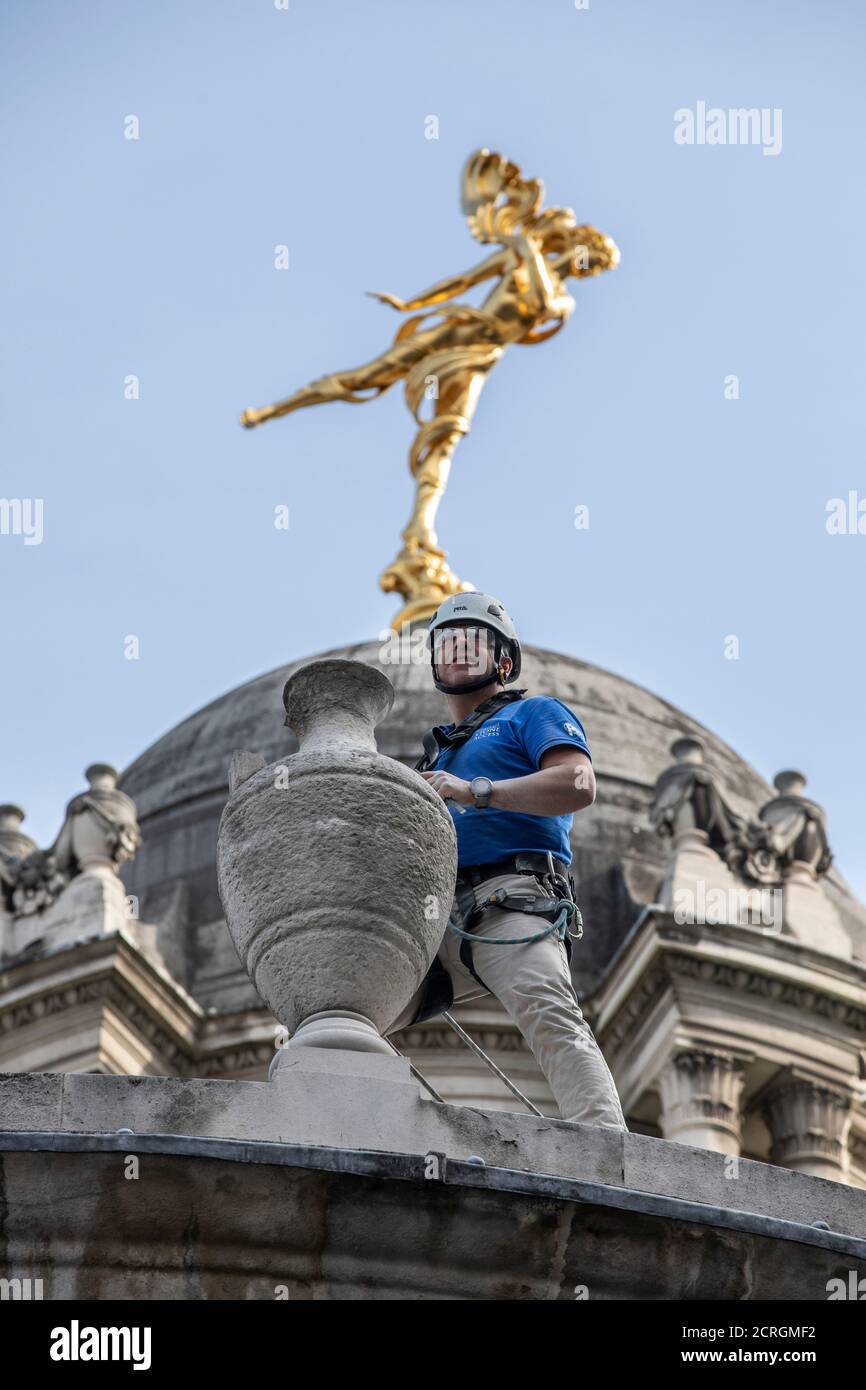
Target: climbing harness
{"points": [[465, 915], [565, 908], [561, 906], [562, 909], [439, 989]]}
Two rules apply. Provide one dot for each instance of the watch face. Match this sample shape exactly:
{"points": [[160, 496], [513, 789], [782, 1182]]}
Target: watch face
{"points": [[481, 788]]}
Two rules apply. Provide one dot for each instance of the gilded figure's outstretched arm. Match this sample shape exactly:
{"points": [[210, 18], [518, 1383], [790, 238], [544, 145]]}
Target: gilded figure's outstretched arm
{"points": [[497, 264]]}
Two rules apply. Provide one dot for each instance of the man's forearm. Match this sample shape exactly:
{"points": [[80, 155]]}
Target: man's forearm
{"points": [[556, 791]]}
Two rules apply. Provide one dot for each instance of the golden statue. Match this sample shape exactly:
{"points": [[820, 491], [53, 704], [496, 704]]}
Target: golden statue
{"points": [[447, 361]]}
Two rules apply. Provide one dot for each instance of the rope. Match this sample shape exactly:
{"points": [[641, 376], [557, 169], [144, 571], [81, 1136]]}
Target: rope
{"points": [[415, 1072], [566, 910], [461, 1033], [560, 926]]}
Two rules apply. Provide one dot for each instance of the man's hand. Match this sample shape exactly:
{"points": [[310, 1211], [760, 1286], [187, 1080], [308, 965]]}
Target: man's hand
{"points": [[450, 788]]}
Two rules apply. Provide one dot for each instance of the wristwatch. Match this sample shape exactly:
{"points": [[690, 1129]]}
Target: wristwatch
{"points": [[482, 790]]}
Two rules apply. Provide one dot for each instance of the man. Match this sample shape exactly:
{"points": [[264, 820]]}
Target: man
{"points": [[512, 771]]}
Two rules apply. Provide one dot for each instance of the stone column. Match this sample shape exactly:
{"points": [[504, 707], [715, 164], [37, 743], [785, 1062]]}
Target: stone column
{"points": [[808, 1120], [700, 1093]]}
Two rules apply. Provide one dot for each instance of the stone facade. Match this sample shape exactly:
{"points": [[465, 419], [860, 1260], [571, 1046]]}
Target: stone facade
{"points": [[341, 1176], [726, 1026]]}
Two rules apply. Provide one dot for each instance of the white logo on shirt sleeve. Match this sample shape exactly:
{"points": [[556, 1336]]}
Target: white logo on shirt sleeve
{"points": [[572, 729]]}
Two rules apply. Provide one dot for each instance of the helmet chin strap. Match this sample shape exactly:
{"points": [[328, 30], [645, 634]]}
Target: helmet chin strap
{"points": [[464, 686]]}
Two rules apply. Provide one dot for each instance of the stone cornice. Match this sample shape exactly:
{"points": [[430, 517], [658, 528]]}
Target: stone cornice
{"points": [[639, 1003], [672, 964], [237, 1057], [109, 989], [441, 1038], [111, 970], [766, 946], [24, 976], [656, 931]]}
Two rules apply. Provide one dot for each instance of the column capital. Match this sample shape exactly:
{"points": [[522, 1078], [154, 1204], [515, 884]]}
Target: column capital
{"points": [[700, 1086], [808, 1119]]}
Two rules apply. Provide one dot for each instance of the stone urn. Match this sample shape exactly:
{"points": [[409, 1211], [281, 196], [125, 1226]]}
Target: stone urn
{"points": [[796, 827], [336, 867], [101, 825], [14, 844]]}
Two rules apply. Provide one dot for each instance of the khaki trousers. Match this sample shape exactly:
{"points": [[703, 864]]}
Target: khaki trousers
{"points": [[533, 984]]}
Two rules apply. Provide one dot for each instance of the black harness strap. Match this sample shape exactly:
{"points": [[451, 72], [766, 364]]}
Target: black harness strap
{"points": [[467, 915], [438, 994], [436, 740]]}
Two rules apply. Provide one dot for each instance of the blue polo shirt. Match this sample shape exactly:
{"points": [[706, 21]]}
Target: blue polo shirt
{"points": [[510, 744]]}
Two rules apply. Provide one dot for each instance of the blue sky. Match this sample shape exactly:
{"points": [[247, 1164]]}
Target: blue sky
{"points": [[306, 127]]}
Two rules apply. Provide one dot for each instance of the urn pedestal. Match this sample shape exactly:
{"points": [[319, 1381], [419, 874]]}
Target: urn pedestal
{"points": [[336, 867]]}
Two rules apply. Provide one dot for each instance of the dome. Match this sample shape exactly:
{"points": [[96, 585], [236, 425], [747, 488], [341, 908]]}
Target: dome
{"points": [[179, 786]]}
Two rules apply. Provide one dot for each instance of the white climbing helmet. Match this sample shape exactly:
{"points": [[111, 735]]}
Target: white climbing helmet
{"points": [[484, 611]]}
